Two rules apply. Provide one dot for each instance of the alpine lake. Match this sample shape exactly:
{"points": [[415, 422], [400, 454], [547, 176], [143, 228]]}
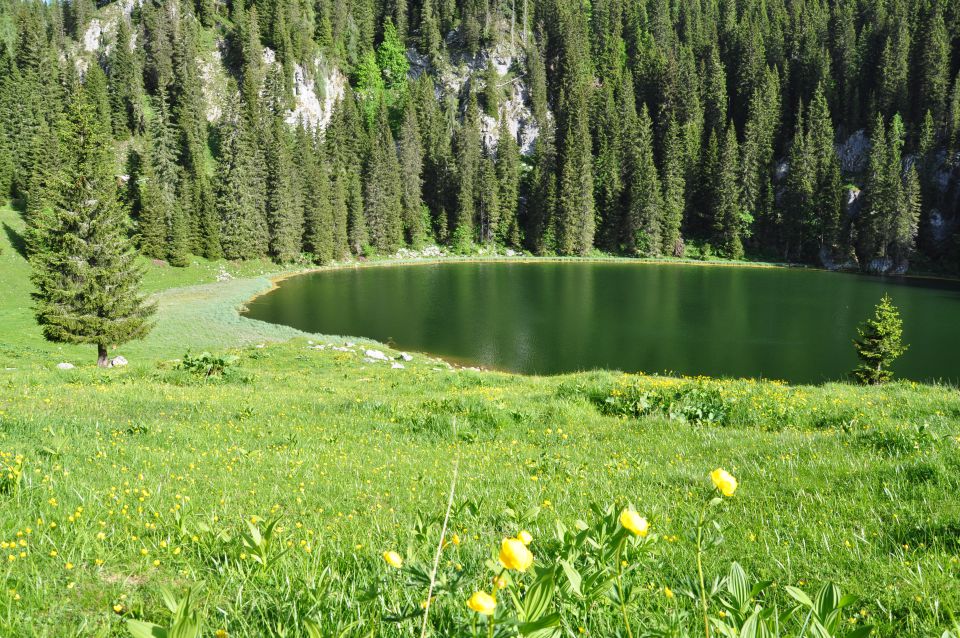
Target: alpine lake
{"points": [[544, 318]]}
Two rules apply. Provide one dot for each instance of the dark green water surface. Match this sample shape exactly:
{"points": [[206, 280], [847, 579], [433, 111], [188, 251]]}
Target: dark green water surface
{"points": [[547, 318]]}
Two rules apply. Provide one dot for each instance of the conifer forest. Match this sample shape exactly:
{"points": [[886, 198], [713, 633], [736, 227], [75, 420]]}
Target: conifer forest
{"points": [[823, 132]]}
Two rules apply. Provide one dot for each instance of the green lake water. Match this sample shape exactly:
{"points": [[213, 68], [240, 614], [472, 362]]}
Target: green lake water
{"points": [[547, 318]]}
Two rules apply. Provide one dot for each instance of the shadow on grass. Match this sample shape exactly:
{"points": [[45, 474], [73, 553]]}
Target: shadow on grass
{"points": [[16, 240]]}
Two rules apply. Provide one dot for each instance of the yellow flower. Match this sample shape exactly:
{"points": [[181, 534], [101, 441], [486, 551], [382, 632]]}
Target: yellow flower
{"points": [[118, 608], [221, 633], [393, 559], [525, 537], [635, 523], [724, 481], [668, 592], [482, 603], [515, 555]]}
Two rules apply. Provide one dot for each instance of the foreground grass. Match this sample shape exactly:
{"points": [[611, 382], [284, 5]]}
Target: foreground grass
{"points": [[130, 479]]}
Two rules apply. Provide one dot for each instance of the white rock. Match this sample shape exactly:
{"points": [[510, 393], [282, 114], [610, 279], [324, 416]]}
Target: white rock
{"points": [[117, 362], [65, 366], [376, 355], [405, 356], [397, 366]]}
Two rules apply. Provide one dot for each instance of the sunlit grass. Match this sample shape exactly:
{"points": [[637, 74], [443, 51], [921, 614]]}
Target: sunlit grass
{"points": [[121, 481]]}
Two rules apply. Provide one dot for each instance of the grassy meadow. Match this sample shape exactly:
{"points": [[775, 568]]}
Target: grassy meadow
{"points": [[271, 491]]}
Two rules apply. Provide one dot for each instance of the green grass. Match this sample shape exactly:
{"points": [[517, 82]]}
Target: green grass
{"points": [[837, 483]]}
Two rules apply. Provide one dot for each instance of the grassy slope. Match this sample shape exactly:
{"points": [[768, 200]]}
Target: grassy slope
{"points": [[836, 482]]}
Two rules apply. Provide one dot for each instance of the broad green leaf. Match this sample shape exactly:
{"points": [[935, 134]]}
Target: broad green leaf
{"points": [[573, 576], [799, 596], [538, 597], [141, 629]]}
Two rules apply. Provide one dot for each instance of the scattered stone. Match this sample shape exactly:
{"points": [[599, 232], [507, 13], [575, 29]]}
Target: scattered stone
{"points": [[65, 366], [350, 344], [261, 345], [340, 349], [405, 356], [376, 355], [118, 362], [397, 366]]}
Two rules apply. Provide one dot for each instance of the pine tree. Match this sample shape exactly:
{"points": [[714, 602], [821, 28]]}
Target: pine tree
{"points": [[575, 206], [728, 215], [85, 272], [879, 344], [383, 188], [415, 222]]}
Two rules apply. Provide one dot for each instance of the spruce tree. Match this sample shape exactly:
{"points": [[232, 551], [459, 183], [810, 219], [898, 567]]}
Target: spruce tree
{"points": [[411, 170], [508, 186], [828, 185], [383, 188], [879, 344], [243, 227], [728, 215], [284, 218], [85, 271], [316, 197], [645, 210], [674, 191], [126, 85], [468, 165]]}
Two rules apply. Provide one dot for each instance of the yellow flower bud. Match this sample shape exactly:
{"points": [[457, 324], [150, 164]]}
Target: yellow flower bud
{"points": [[482, 603], [636, 524], [668, 592], [525, 537], [393, 559], [515, 555], [724, 481]]}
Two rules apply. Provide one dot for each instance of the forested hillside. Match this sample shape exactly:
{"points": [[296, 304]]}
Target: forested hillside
{"points": [[817, 131]]}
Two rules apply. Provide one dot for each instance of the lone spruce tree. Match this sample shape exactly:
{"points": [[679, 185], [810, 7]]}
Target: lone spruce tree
{"points": [[879, 344], [84, 269]]}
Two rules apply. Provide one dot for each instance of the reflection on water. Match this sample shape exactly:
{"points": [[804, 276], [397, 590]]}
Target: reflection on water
{"points": [[547, 318]]}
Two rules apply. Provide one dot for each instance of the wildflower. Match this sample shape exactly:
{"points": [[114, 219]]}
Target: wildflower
{"points": [[221, 633], [635, 523], [668, 592], [515, 555], [724, 481], [456, 539], [393, 559], [482, 603], [118, 608], [525, 537]]}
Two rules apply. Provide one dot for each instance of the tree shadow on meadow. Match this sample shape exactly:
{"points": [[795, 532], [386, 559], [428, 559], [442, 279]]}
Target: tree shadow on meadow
{"points": [[16, 240]]}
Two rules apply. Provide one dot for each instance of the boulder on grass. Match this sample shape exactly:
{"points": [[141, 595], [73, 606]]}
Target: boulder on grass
{"points": [[65, 366], [117, 362]]}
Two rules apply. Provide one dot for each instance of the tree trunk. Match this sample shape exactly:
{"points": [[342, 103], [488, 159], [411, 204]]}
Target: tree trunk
{"points": [[102, 360]]}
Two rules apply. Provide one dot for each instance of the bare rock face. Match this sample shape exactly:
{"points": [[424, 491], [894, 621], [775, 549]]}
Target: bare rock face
{"points": [[854, 152], [316, 94]]}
